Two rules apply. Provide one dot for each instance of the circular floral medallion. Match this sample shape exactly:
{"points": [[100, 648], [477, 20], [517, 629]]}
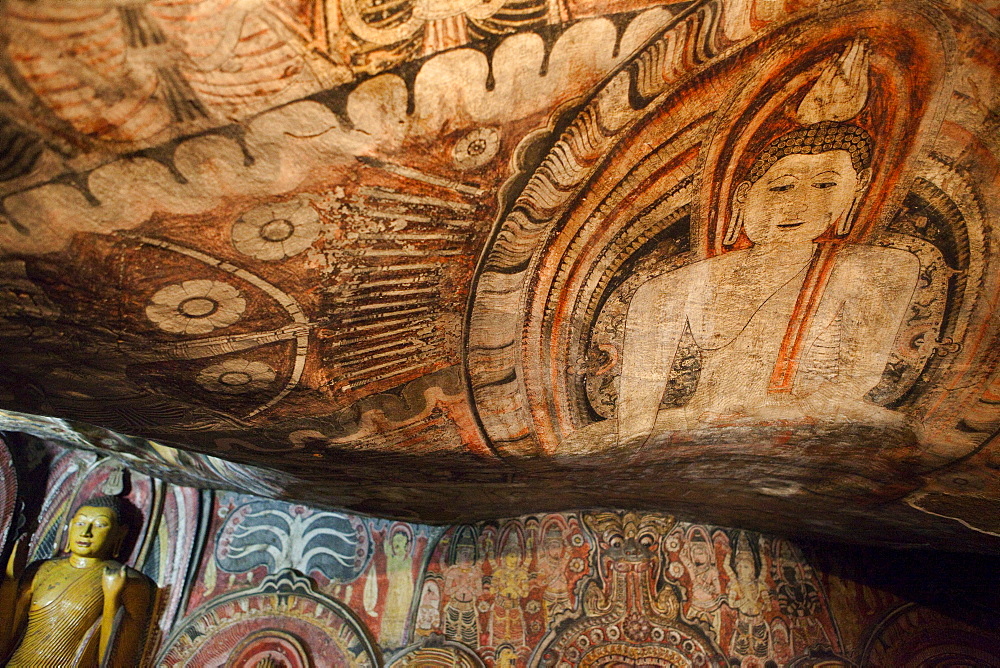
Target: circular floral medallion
{"points": [[275, 231], [476, 148], [195, 307], [236, 376]]}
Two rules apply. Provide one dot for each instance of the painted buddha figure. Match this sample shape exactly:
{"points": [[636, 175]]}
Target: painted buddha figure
{"points": [[83, 610], [789, 330]]}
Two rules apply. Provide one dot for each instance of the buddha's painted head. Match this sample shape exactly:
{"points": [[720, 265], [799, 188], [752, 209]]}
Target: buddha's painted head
{"points": [[400, 544], [803, 184], [96, 529]]}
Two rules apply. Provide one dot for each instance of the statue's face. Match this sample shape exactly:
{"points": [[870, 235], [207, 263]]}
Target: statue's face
{"points": [[799, 197], [93, 532]]}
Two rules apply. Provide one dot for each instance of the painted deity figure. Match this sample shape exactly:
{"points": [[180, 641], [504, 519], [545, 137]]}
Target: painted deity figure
{"points": [[463, 585], [788, 328], [429, 612], [399, 592], [749, 597], [698, 557], [552, 563], [86, 609], [799, 599], [510, 584]]}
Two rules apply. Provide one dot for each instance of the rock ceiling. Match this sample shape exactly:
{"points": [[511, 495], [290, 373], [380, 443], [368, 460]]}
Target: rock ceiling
{"points": [[446, 260]]}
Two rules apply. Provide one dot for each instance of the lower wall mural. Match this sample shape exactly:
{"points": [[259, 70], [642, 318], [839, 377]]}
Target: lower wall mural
{"points": [[243, 581]]}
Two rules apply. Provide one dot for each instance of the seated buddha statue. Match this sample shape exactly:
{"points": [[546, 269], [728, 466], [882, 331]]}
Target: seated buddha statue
{"points": [[86, 609]]}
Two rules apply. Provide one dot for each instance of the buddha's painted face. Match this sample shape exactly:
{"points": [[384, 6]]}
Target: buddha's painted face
{"points": [[93, 532], [800, 197], [400, 544]]}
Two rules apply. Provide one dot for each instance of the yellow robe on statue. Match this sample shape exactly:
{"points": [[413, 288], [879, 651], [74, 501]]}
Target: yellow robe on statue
{"points": [[63, 618]]}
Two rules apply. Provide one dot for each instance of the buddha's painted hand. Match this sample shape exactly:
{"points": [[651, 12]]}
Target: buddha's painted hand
{"points": [[841, 90], [832, 401]]}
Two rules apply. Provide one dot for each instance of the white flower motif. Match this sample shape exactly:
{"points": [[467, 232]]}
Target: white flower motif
{"points": [[476, 148], [237, 376], [275, 231], [195, 307]]}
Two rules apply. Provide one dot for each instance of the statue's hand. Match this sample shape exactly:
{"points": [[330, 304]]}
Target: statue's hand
{"points": [[114, 581], [17, 559]]}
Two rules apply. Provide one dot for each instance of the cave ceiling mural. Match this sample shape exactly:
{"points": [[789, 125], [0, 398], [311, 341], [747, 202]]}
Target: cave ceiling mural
{"points": [[447, 260]]}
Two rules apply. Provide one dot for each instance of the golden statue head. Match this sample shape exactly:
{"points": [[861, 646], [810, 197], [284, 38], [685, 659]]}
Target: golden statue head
{"points": [[96, 530]]}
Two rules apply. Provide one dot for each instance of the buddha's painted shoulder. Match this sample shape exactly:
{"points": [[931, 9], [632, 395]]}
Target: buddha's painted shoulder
{"points": [[877, 256], [888, 269], [679, 281]]}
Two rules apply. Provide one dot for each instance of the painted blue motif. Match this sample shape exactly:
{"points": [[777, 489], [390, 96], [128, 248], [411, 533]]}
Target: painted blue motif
{"points": [[287, 536]]}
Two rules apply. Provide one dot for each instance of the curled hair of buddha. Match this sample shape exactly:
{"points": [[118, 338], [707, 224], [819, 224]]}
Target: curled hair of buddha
{"points": [[109, 502], [817, 138]]}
